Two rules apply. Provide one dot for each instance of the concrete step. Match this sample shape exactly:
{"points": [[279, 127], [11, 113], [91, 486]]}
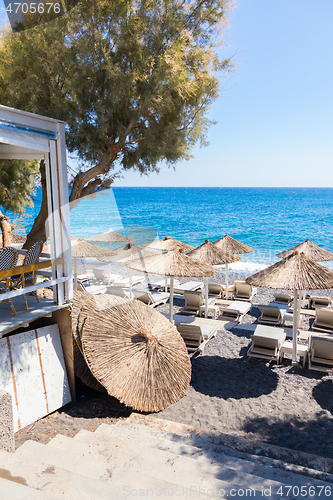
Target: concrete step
{"points": [[304, 463], [209, 452], [68, 485], [12, 490], [182, 471]]}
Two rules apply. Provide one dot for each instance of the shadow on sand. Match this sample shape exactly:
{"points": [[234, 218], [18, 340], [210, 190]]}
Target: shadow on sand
{"points": [[300, 435], [231, 378]]}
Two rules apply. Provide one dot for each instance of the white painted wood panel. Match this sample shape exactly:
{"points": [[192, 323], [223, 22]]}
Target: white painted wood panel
{"points": [[32, 370]]}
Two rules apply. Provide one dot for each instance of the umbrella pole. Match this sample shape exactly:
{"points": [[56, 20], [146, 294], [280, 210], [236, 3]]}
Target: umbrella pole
{"points": [[75, 273], [295, 324], [299, 305], [226, 282], [130, 282], [109, 279], [171, 301], [166, 284], [206, 298]]}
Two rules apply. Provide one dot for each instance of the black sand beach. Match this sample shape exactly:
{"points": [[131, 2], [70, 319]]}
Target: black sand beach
{"points": [[229, 393]]}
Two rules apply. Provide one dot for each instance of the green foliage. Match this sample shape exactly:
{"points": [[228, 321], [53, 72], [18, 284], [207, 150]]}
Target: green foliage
{"points": [[133, 79], [18, 181]]}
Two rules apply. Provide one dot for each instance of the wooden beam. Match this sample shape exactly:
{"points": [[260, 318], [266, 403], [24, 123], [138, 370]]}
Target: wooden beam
{"points": [[6, 273]]}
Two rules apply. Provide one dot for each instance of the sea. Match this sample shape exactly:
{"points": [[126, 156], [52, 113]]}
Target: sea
{"points": [[269, 220]]}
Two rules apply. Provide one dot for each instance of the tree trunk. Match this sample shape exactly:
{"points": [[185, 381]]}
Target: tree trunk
{"points": [[85, 183], [38, 231], [6, 229]]}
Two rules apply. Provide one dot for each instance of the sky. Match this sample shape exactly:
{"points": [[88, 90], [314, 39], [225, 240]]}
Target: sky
{"points": [[275, 111]]}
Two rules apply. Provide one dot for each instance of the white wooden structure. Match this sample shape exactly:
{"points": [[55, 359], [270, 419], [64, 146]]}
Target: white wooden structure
{"points": [[29, 136], [32, 370]]}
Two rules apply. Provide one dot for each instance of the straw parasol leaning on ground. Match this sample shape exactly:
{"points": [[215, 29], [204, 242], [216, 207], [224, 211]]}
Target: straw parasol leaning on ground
{"points": [[228, 244], [295, 272], [137, 355], [209, 253], [173, 263], [167, 244], [84, 306]]}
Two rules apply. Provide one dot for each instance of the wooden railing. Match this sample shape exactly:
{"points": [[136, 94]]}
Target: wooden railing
{"points": [[21, 270]]}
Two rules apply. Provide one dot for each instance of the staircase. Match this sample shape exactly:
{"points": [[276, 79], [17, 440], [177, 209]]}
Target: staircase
{"points": [[147, 457]]}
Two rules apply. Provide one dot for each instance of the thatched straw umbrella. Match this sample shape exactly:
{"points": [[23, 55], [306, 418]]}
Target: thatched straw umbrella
{"points": [[137, 356], [16, 239], [309, 249], [231, 245], [173, 263], [295, 272], [84, 306], [129, 252], [167, 244], [111, 236], [81, 249], [208, 253]]}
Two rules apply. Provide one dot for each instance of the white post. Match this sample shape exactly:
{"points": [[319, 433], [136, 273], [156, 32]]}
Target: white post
{"points": [[75, 273], [299, 305], [226, 281], [166, 284], [206, 298], [171, 301], [130, 282], [295, 320], [109, 279]]}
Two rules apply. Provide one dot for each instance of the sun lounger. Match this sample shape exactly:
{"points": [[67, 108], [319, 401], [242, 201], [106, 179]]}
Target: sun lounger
{"points": [[215, 290], [160, 285], [93, 289], [196, 336], [316, 302], [103, 277], [124, 282], [243, 291], [119, 291], [266, 343], [282, 298], [195, 300], [320, 353], [323, 320], [152, 299], [235, 310], [270, 315], [190, 286]]}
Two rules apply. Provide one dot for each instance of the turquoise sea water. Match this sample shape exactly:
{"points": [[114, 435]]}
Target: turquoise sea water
{"points": [[267, 219]]}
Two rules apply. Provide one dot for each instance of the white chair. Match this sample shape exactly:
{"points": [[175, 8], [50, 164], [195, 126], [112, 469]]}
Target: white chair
{"points": [[320, 353], [195, 300], [243, 291], [152, 299]]}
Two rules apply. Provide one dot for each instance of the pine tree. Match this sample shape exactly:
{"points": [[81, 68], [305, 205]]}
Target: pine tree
{"points": [[133, 79]]}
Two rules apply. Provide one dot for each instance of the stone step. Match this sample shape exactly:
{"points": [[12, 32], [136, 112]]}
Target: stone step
{"points": [[68, 485], [208, 452], [182, 471], [220, 471], [263, 453], [10, 489]]}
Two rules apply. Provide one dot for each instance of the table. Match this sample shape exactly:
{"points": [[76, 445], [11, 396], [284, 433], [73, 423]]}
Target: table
{"points": [[214, 310], [287, 348]]}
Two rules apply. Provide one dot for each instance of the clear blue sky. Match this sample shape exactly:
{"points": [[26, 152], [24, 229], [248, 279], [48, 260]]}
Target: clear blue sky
{"points": [[275, 114]]}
